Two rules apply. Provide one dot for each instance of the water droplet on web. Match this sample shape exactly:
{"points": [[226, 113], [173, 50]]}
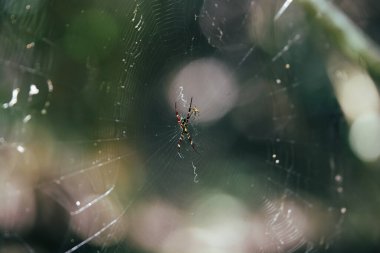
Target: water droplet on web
{"points": [[338, 178], [20, 149], [27, 118], [30, 45]]}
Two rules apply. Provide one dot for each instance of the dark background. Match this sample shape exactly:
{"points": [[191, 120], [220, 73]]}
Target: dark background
{"points": [[111, 75]]}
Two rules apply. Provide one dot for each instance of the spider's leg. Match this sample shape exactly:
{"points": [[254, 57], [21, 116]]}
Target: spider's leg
{"points": [[190, 111], [191, 142], [179, 142], [176, 114]]}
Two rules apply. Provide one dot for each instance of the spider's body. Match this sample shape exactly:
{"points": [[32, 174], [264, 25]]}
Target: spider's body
{"points": [[183, 122]]}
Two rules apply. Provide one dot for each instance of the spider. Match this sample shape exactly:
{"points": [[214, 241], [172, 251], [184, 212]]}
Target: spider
{"points": [[184, 123]]}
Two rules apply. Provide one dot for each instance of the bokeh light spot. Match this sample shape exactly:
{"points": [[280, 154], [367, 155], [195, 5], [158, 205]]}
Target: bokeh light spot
{"points": [[365, 137]]}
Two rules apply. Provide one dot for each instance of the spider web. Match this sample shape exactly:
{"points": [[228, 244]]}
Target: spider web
{"points": [[88, 92]]}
